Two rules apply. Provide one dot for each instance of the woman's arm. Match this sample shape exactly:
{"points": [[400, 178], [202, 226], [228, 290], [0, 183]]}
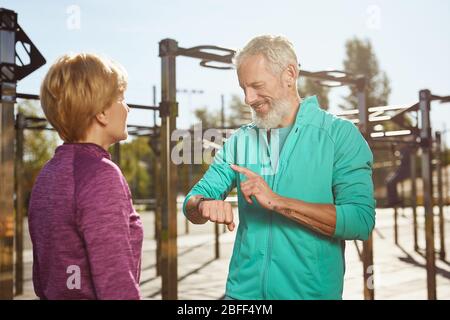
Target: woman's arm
{"points": [[104, 222]]}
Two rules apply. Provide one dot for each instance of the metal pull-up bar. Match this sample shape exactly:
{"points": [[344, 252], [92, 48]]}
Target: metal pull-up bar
{"points": [[12, 69]]}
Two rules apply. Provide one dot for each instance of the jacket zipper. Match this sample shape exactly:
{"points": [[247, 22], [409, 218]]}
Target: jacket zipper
{"points": [[269, 240], [269, 244]]}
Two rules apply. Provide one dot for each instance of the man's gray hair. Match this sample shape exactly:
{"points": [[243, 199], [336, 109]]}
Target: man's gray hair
{"points": [[277, 50]]}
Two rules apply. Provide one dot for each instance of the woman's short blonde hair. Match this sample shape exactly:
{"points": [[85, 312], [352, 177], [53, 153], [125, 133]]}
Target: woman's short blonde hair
{"points": [[76, 88]]}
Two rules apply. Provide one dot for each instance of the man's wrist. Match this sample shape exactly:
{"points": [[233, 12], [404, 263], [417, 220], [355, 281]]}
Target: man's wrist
{"points": [[278, 202], [192, 210], [200, 200]]}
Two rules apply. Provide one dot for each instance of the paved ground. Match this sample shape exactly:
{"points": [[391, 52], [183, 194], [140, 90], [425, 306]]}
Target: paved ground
{"points": [[399, 271]]}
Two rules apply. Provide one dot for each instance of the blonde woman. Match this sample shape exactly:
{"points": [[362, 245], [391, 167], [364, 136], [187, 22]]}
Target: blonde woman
{"points": [[87, 237]]}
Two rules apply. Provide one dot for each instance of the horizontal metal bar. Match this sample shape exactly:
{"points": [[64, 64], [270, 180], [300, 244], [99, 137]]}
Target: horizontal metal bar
{"points": [[139, 106], [413, 107], [27, 96], [197, 52], [391, 133], [131, 105], [32, 123], [35, 119], [346, 78], [144, 201], [40, 128], [347, 112], [389, 140], [140, 127], [442, 99], [393, 107]]}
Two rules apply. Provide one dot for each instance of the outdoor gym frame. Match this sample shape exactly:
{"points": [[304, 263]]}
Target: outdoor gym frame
{"points": [[419, 136]]}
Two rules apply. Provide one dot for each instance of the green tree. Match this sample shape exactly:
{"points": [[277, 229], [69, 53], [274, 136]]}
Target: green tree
{"points": [[239, 112], [309, 87], [208, 118], [361, 59], [136, 163], [39, 146]]}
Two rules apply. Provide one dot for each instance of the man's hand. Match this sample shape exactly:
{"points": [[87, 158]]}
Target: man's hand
{"points": [[217, 211], [256, 186], [316, 216]]}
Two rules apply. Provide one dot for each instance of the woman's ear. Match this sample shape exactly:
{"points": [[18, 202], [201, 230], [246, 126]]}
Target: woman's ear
{"points": [[102, 118]]}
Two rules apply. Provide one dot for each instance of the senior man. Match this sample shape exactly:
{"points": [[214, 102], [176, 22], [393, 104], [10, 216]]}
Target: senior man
{"points": [[304, 184]]}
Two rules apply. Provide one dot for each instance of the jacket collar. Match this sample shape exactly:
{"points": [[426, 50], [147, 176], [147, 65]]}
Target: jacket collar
{"points": [[307, 111], [88, 147]]}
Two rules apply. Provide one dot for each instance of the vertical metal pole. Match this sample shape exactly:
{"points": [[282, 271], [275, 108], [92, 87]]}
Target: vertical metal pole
{"points": [[154, 104], [426, 142], [396, 225], [6, 189], [446, 172], [402, 196], [8, 28], [186, 226], [216, 225], [367, 254], [222, 122], [116, 153], [363, 114], [168, 112], [440, 196], [186, 186], [157, 188], [414, 197], [394, 165], [222, 110], [369, 289], [362, 107], [20, 204], [158, 198]]}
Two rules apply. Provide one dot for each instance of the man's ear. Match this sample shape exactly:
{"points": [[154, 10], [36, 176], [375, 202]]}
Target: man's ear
{"points": [[291, 75], [102, 118]]}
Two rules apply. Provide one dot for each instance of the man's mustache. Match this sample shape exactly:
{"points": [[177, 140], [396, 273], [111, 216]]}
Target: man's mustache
{"points": [[257, 104]]}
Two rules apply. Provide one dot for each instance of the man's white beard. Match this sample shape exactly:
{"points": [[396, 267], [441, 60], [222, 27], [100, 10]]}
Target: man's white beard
{"points": [[279, 109]]}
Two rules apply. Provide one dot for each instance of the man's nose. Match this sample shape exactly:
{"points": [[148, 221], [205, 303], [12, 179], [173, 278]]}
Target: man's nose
{"points": [[250, 96]]}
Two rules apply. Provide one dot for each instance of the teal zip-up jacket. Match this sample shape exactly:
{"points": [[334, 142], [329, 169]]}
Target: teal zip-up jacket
{"points": [[325, 159]]}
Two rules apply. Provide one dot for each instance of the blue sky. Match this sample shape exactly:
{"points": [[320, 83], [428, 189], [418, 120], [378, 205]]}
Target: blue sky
{"points": [[411, 40]]}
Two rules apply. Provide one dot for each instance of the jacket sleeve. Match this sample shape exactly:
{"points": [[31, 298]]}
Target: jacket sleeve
{"points": [[104, 223], [36, 277], [219, 179], [352, 184]]}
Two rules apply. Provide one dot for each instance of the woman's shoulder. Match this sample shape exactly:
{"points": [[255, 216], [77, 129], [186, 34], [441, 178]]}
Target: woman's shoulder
{"points": [[89, 169]]}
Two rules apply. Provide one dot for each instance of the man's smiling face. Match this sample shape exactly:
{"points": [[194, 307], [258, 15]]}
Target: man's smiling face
{"points": [[264, 91]]}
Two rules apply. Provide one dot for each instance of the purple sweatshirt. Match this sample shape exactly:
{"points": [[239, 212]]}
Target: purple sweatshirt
{"points": [[87, 237]]}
